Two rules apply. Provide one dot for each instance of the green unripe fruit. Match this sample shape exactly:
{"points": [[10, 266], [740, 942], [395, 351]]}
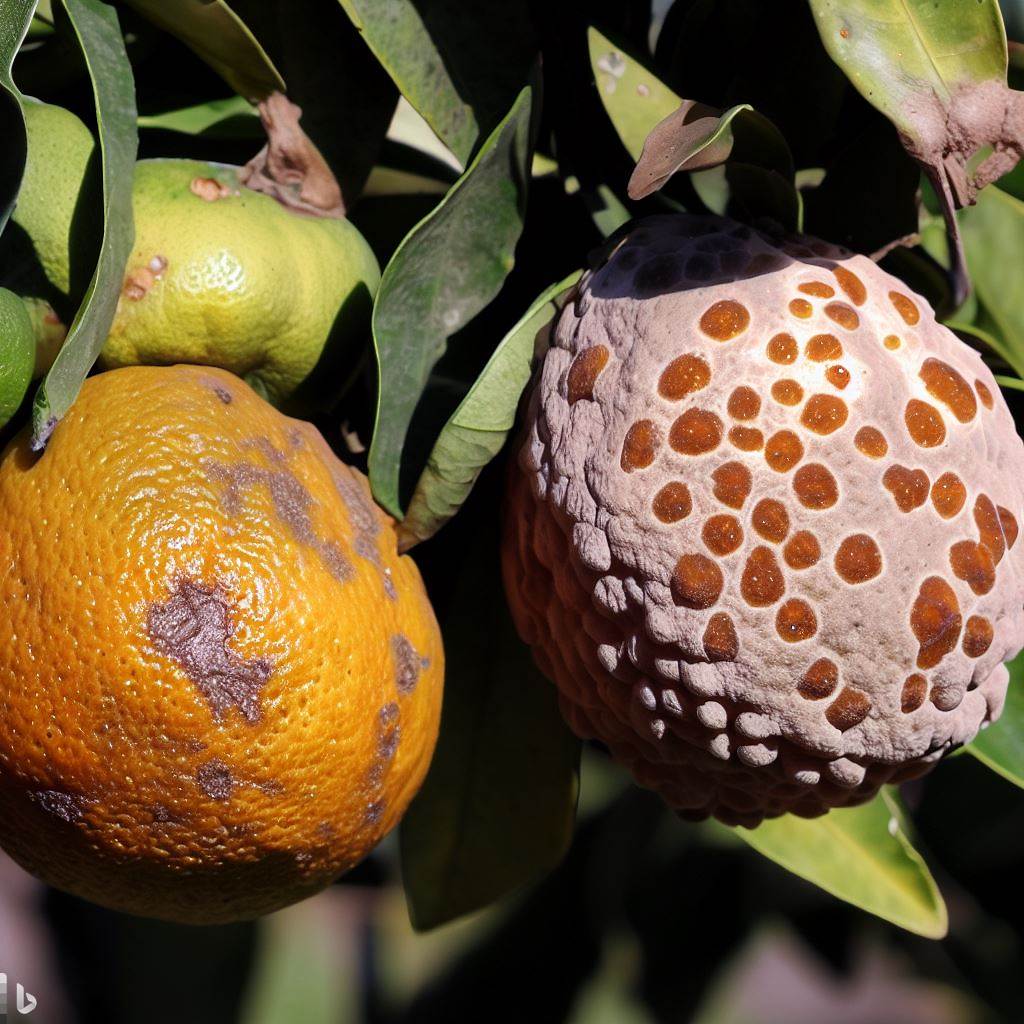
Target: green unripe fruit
{"points": [[17, 353]]}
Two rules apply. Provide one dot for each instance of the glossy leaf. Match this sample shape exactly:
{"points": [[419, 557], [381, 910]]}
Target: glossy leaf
{"points": [[459, 64], [635, 99], [15, 18], [498, 805], [862, 855], [1001, 745], [217, 35], [993, 234], [99, 34], [477, 429], [444, 272], [937, 70]]}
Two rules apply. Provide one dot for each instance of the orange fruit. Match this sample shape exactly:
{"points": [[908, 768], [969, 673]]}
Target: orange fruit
{"points": [[220, 685]]}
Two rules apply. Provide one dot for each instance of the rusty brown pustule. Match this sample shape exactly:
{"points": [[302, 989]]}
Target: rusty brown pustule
{"points": [[289, 167]]}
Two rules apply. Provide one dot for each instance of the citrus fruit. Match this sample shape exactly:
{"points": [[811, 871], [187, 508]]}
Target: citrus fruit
{"points": [[763, 533], [221, 684], [226, 276], [17, 353]]}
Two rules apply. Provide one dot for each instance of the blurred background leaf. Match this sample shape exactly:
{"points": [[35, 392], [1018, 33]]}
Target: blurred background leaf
{"points": [[1001, 745], [15, 18], [99, 35]]}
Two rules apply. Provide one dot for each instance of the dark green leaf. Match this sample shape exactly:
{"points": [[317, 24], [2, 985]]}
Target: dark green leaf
{"points": [[498, 805], [459, 64], [477, 429], [15, 18], [862, 855], [213, 30], [99, 35], [937, 70], [232, 117], [1001, 745], [446, 270]]}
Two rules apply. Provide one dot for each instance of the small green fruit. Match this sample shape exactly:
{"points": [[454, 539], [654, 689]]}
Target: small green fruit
{"points": [[17, 353]]}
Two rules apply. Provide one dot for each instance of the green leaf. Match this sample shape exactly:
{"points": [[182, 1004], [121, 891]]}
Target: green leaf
{"points": [[1001, 745], [477, 429], [862, 855], [445, 271], [212, 30], [979, 338], [15, 18], [231, 117], [498, 805], [459, 64], [99, 35], [635, 99], [937, 70]]}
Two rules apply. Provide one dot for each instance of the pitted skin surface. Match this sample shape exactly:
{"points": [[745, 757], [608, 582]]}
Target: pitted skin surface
{"points": [[220, 684], [811, 584]]}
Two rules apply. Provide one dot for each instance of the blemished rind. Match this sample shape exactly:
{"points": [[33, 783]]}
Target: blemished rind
{"points": [[764, 597], [221, 683]]}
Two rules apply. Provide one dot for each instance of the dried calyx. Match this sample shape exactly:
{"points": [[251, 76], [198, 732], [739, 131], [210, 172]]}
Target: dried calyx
{"points": [[763, 529], [289, 167]]}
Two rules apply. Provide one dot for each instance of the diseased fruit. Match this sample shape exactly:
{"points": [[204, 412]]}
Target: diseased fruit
{"points": [[17, 353], [221, 683], [768, 548], [226, 276]]}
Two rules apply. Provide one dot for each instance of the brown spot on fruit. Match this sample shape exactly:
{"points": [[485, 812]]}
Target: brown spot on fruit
{"points": [[950, 388], [817, 289], [215, 779], [815, 486], [990, 529], [905, 307], [193, 628], [66, 807], [787, 392], [824, 414], [948, 495], [924, 423], [851, 284], [973, 563], [221, 392], [935, 620], [802, 550], [771, 520], [747, 439], [744, 403], [820, 680], [795, 621], [978, 636], [850, 708], [891, 342], [783, 349], [720, 640], [672, 502], [858, 559], [908, 487], [683, 376], [696, 582], [801, 308], [408, 663], [1009, 524], [842, 314], [762, 583], [696, 432], [732, 483], [639, 446], [984, 395], [208, 189], [838, 376], [724, 320], [722, 534], [823, 348], [585, 370], [783, 450], [915, 689], [870, 441]]}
